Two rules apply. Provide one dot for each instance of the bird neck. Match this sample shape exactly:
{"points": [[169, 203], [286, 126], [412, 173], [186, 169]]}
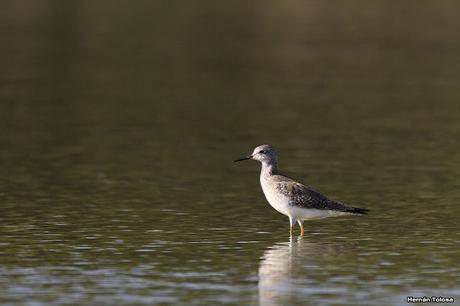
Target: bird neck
{"points": [[269, 168]]}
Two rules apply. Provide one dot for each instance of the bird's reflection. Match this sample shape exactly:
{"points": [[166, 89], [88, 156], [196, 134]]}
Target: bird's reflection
{"points": [[282, 264]]}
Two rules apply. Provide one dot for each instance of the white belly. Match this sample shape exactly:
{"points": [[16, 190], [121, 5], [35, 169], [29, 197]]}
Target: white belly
{"points": [[299, 213]]}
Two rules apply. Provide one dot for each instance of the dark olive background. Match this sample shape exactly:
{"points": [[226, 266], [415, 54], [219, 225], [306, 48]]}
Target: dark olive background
{"points": [[119, 121]]}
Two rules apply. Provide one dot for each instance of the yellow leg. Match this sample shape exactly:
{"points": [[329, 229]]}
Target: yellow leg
{"points": [[291, 223], [301, 230]]}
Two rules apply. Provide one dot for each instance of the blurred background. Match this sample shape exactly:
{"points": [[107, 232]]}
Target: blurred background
{"points": [[120, 121]]}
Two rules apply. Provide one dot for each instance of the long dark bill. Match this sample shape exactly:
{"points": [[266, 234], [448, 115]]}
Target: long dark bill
{"points": [[244, 158]]}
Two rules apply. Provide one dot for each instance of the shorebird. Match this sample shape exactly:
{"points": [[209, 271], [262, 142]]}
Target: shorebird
{"points": [[293, 199]]}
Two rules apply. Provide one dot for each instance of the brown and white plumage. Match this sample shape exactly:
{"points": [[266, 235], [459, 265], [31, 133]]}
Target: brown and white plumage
{"points": [[293, 199]]}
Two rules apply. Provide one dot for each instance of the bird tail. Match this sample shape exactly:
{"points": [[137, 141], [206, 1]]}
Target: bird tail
{"points": [[358, 211]]}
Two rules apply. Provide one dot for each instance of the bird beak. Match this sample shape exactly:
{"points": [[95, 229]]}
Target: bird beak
{"points": [[244, 158]]}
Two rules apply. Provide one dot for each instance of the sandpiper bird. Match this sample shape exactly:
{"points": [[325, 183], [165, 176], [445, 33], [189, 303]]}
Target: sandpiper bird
{"points": [[291, 198]]}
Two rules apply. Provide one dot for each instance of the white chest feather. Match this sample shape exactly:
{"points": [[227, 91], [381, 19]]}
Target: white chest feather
{"points": [[277, 200]]}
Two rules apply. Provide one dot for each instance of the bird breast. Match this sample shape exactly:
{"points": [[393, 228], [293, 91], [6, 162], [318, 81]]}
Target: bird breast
{"points": [[277, 200]]}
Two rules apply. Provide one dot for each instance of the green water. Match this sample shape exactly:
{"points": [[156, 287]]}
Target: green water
{"points": [[120, 121]]}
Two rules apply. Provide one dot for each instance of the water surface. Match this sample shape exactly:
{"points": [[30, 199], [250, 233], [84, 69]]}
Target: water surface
{"points": [[120, 121]]}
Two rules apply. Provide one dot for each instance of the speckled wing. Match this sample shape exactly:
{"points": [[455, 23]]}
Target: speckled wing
{"points": [[305, 197]]}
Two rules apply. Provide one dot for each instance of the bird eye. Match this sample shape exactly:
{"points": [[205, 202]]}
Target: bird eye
{"points": [[262, 151]]}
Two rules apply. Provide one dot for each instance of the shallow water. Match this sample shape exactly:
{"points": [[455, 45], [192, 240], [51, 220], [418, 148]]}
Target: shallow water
{"points": [[120, 123]]}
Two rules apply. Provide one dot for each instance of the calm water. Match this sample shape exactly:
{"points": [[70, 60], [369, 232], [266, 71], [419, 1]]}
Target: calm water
{"points": [[119, 124]]}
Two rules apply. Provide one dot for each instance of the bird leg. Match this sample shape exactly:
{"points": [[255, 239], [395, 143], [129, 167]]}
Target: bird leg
{"points": [[291, 225], [301, 228]]}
